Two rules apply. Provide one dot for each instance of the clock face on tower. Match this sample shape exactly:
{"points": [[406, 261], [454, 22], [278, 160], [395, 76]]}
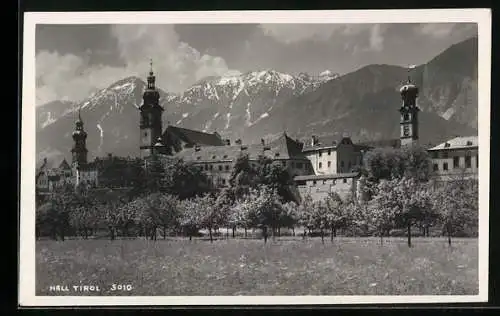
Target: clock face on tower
{"points": [[406, 130]]}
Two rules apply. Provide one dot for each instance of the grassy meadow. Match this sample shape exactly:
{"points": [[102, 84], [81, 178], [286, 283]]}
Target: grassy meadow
{"points": [[286, 266]]}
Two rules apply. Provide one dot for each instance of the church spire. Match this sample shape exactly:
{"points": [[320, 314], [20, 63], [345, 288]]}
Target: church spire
{"points": [[79, 150], [151, 77]]}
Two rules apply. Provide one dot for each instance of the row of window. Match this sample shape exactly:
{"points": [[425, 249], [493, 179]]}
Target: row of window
{"points": [[227, 167], [456, 163], [210, 167], [321, 153], [445, 154], [329, 164], [324, 181]]}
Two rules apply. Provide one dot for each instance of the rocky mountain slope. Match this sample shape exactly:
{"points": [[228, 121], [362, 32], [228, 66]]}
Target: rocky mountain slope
{"points": [[261, 104]]}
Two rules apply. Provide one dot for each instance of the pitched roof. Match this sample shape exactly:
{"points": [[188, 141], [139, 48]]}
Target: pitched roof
{"points": [[281, 148], [64, 165], [458, 142], [326, 176], [325, 142], [193, 137]]}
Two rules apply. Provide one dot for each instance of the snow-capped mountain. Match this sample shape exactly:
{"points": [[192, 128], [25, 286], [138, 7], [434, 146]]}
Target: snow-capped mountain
{"points": [[230, 104], [261, 104], [227, 104]]}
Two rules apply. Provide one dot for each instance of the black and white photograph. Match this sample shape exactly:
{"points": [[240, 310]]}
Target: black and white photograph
{"points": [[314, 157]]}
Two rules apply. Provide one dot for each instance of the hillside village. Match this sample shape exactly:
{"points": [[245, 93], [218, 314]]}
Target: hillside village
{"points": [[318, 167]]}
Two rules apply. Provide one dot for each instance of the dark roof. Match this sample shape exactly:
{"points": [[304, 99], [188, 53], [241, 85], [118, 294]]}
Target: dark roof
{"points": [[193, 137], [327, 176], [281, 148], [327, 142], [64, 165]]}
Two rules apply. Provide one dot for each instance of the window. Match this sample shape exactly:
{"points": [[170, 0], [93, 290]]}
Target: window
{"points": [[227, 167], [211, 167], [198, 157], [445, 154], [467, 162], [456, 162], [299, 165], [342, 164], [329, 152], [314, 182], [435, 167], [345, 181], [445, 166], [225, 156], [220, 167], [329, 164], [213, 157], [320, 165], [277, 154], [406, 116], [477, 161], [319, 154]]}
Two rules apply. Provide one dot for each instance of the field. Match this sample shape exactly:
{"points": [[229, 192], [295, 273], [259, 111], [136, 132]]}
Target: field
{"points": [[287, 266]]}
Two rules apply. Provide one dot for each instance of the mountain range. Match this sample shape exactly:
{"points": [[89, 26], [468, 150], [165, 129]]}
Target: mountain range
{"points": [[262, 104]]}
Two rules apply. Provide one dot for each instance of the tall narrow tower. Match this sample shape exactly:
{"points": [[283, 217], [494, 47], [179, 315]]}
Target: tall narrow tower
{"points": [[79, 150], [409, 114], [151, 117]]}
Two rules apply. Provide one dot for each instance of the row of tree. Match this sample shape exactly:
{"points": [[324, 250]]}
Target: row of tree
{"points": [[175, 197], [396, 204]]}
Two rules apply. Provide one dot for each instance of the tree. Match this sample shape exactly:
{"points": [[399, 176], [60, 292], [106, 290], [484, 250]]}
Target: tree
{"points": [[382, 208], [211, 215], [168, 212], [275, 175], [191, 216], [62, 202], [290, 215], [84, 216], [184, 180], [267, 208], [306, 210], [243, 177], [336, 213], [401, 202], [457, 204], [320, 218], [389, 163], [110, 215]]}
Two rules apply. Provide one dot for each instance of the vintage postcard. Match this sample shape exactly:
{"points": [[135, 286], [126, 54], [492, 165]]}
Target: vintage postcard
{"points": [[274, 157]]}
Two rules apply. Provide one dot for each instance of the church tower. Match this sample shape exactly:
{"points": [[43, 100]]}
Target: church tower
{"points": [[409, 114], [151, 117], [79, 150]]}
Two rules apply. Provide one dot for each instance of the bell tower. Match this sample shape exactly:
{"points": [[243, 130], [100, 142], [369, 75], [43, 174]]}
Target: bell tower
{"points": [[409, 114], [79, 150], [150, 116]]}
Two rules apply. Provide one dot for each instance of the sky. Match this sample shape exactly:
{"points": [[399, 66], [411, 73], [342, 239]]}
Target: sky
{"points": [[72, 61]]}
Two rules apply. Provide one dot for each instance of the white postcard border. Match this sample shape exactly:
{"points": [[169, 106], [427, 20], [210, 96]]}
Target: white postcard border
{"points": [[27, 261]]}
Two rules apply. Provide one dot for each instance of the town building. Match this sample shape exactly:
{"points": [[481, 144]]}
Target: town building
{"points": [[455, 159], [217, 161], [319, 166]]}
